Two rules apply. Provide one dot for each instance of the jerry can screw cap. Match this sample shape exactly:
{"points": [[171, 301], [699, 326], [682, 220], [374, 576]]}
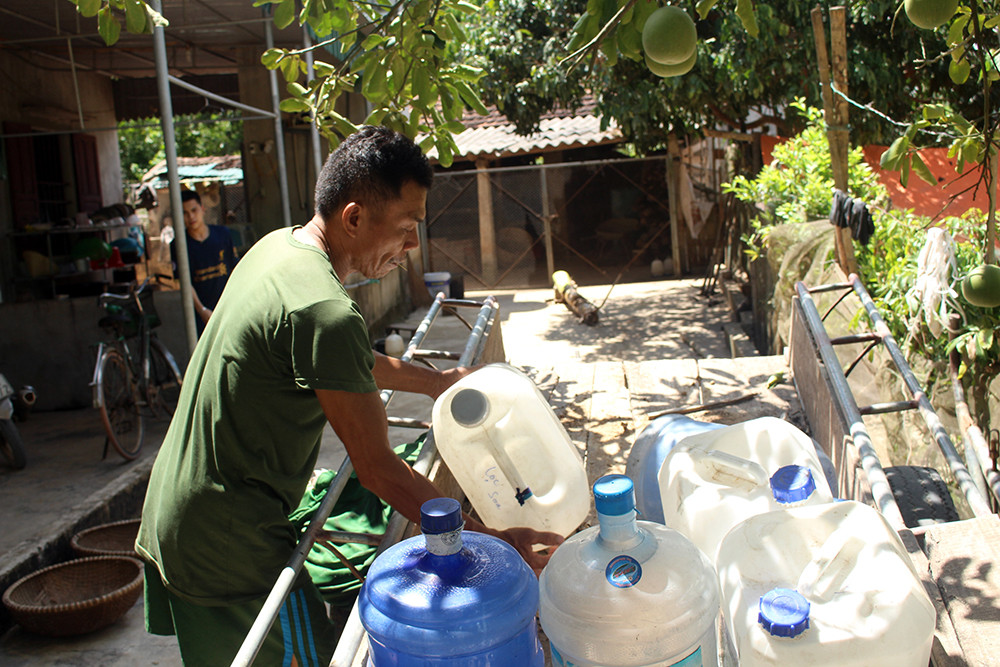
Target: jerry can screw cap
{"points": [[469, 407], [783, 612], [792, 483]]}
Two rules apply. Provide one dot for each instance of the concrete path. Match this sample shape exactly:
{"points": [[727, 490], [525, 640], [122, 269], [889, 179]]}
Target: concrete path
{"points": [[658, 346]]}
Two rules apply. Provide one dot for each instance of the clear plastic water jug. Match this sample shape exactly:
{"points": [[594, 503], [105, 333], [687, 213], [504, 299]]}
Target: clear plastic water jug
{"points": [[628, 592], [712, 480], [509, 452], [647, 454], [450, 599], [823, 585]]}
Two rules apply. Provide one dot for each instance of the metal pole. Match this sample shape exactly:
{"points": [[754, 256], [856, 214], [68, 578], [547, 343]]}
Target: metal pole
{"points": [[170, 148], [313, 130], [977, 502], [841, 391], [279, 134]]}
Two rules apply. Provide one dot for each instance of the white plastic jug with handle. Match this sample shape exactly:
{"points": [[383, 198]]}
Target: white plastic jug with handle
{"points": [[712, 480], [822, 585], [509, 452]]}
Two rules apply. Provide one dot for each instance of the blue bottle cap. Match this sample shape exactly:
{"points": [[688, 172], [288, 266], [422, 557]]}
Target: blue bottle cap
{"points": [[783, 612], [440, 515], [792, 483], [614, 495]]}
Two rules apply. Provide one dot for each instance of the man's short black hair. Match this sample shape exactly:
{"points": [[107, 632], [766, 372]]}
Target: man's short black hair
{"points": [[188, 195], [370, 167]]}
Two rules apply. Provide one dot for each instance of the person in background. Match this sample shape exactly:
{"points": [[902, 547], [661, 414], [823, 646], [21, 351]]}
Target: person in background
{"points": [[211, 257], [286, 352]]}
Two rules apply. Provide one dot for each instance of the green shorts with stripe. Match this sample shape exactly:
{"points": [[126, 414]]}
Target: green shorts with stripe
{"points": [[302, 635]]}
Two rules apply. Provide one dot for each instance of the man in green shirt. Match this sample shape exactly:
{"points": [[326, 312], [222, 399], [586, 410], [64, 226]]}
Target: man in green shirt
{"points": [[285, 352]]}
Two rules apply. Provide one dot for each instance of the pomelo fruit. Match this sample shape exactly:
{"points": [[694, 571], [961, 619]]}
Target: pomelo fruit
{"points": [[982, 286], [671, 70], [669, 36], [930, 14]]}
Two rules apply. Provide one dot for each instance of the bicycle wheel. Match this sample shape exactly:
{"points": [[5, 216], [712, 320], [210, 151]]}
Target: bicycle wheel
{"points": [[11, 444], [118, 402], [164, 379]]}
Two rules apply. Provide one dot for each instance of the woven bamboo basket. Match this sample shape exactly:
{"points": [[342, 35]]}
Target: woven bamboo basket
{"points": [[75, 597], [110, 539]]}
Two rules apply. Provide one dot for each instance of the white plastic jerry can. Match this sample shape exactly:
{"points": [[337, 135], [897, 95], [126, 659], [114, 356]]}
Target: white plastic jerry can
{"points": [[509, 452], [712, 480], [822, 585]]}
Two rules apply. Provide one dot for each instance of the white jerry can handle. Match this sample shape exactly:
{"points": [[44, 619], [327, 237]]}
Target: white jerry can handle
{"points": [[728, 470], [824, 575]]}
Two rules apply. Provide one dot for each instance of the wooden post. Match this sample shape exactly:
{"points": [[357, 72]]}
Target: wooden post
{"points": [[547, 221], [673, 193], [487, 231], [836, 112]]}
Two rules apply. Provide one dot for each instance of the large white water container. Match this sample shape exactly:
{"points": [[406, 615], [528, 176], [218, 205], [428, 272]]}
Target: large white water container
{"points": [[628, 593], [710, 481], [823, 585], [509, 452]]}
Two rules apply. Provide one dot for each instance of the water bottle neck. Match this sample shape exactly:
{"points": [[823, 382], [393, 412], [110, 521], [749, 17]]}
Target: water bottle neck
{"points": [[620, 530], [445, 544]]}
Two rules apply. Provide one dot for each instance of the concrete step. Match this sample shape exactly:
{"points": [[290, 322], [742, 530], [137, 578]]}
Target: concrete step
{"points": [[740, 344]]}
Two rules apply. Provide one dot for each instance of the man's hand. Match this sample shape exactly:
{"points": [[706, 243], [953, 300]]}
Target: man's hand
{"points": [[449, 377], [524, 540]]}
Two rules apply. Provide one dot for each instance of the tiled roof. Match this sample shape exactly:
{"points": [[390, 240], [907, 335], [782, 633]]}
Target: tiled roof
{"points": [[493, 135]]}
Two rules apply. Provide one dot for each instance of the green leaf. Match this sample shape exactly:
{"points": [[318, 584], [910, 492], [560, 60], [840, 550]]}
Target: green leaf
{"points": [[135, 16], [922, 170], [284, 14], [955, 31], [466, 7], [297, 89], [892, 157], [904, 172], [108, 26], [744, 10], [704, 7], [935, 111], [270, 58], [293, 105], [470, 97], [89, 7], [959, 71]]}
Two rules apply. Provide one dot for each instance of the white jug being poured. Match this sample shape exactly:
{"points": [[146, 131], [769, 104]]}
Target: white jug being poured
{"points": [[509, 452]]}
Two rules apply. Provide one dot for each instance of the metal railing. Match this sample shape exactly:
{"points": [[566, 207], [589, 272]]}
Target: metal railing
{"points": [[852, 415], [353, 634]]}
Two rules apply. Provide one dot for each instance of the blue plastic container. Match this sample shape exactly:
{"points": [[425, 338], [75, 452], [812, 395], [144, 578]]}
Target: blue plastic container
{"points": [[648, 453], [450, 599]]}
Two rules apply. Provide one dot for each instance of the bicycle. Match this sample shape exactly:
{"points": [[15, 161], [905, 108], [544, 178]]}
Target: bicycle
{"points": [[135, 375]]}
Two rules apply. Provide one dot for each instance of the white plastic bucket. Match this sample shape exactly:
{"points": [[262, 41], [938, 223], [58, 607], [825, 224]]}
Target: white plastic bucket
{"points": [[712, 480], [823, 585], [509, 452], [438, 281]]}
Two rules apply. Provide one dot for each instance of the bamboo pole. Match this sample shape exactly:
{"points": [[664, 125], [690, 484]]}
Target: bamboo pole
{"points": [[836, 112], [487, 230]]}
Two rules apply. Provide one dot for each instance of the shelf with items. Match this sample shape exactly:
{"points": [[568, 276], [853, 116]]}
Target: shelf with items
{"points": [[51, 260]]}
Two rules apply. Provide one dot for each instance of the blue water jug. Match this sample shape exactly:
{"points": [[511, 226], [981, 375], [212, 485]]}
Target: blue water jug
{"points": [[450, 599], [647, 455]]}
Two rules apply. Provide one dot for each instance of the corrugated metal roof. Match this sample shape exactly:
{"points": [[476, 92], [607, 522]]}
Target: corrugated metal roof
{"points": [[227, 169]]}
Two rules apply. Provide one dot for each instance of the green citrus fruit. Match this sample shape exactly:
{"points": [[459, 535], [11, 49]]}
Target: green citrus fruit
{"points": [[669, 36], [930, 14], [671, 70], [982, 286]]}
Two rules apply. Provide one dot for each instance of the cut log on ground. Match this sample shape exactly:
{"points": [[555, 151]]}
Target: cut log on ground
{"points": [[566, 293]]}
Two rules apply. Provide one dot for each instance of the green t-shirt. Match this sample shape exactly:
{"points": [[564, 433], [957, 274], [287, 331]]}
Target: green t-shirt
{"points": [[244, 440]]}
